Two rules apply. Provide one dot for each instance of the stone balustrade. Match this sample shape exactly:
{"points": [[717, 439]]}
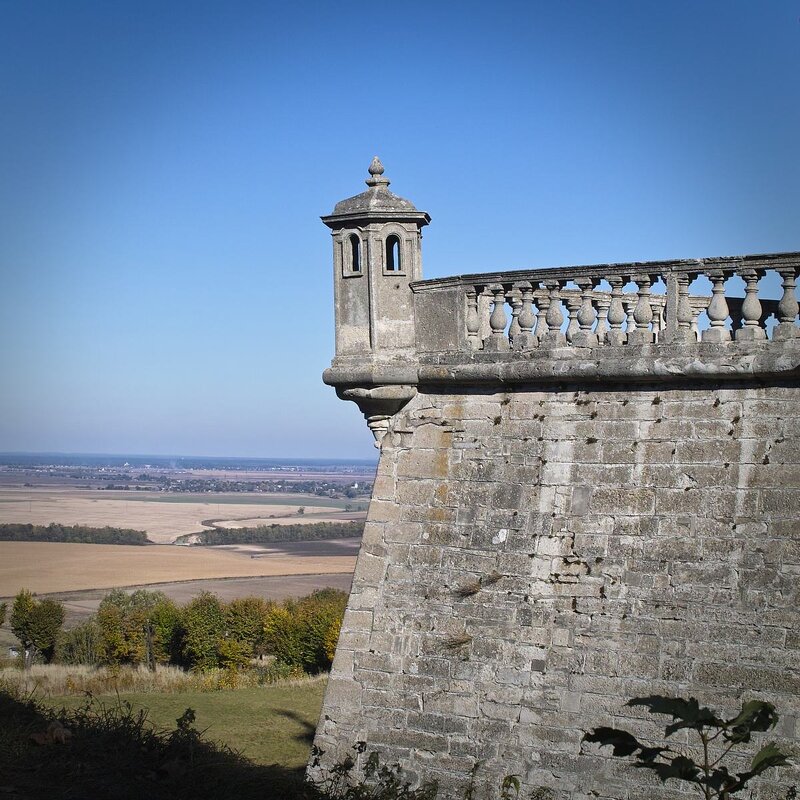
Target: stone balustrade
{"points": [[668, 321], [609, 305]]}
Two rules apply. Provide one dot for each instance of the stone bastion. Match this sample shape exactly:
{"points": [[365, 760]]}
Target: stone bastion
{"points": [[588, 491]]}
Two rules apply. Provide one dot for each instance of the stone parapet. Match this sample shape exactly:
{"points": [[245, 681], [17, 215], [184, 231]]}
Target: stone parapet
{"points": [[602, 323], [607, 305]]}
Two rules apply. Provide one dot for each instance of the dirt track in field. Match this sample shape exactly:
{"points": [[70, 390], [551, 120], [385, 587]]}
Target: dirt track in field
{"points": [[162, 518]]}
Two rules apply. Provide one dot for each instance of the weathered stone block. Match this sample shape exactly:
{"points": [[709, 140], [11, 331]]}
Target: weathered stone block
{"points": [[624, 502]]}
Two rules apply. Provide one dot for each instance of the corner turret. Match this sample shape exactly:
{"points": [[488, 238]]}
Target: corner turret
{"points": [[377, 253]]}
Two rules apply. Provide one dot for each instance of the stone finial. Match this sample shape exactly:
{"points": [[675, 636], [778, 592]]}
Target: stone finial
{"points": [[376, 174]]}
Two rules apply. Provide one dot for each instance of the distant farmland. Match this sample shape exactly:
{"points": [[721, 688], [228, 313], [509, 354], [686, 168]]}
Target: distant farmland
{"points": [[163, 517], [49, 567], [66, 568]]}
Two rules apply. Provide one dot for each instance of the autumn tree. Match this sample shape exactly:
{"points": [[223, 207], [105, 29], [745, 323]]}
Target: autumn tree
{"points": [[36, 623], [203, 629], [304, 633], [137, 628], [244, 622], [165, 630]]}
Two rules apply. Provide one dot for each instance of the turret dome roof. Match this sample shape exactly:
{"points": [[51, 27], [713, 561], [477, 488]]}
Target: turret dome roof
{"points": [[377, 199]]}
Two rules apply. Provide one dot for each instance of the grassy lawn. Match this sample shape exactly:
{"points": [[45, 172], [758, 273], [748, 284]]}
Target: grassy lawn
{"points": [[268, 725]]}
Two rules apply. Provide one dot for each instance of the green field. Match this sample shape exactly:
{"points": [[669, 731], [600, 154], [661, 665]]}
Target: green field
{"points": [[268, 725]]}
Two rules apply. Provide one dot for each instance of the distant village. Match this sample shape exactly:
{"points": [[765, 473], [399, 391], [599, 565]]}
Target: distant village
{"points": [[333, 482]]}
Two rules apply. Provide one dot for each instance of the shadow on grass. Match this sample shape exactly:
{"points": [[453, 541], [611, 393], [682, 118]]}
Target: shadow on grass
{"points": [[115, 753], [307, 735]]}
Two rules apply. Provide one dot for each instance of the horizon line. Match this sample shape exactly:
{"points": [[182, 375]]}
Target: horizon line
{"points": [[178, 455]]}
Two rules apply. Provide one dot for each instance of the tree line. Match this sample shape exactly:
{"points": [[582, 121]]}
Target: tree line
{"points": [[281, 533], [82, 534], [147, 628]]}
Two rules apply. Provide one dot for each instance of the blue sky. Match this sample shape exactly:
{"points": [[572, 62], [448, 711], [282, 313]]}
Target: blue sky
{"points": [[165, 281]]}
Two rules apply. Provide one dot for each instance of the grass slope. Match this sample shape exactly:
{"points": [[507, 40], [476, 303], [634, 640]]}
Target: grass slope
{"points": [[115, 754], [268, 725]]}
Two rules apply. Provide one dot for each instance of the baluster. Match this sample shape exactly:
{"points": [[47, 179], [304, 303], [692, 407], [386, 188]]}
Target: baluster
{"points": [[657, 307], [525, 339], [787, 308], [516, 307], [642, 312], [698, 306], [554, 317], [585, 337], [573, 302], [629, 301], [484, 312], [616, 313], [751, 329], [717, 309], [603, 302], [684, 310], [496, 340], [543, 304], [473, 322]]}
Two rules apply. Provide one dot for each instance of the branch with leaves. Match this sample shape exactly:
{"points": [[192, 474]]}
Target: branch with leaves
{"points": [[718, 737]]}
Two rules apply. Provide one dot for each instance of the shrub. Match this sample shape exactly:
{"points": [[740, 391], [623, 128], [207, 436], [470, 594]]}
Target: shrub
{"points": [[54, 680], [380, 782], [79, 645]]}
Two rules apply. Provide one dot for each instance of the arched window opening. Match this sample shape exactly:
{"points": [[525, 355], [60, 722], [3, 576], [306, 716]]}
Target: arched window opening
{"points": [[392, 253], [355, 253]]}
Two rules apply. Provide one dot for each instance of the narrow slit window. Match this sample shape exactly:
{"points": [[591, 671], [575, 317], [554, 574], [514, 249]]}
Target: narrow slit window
{"points": [[393, 254], [355, 253]]}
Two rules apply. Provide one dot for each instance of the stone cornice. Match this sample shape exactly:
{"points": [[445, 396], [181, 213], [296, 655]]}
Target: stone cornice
{"points": [[757, 361]]}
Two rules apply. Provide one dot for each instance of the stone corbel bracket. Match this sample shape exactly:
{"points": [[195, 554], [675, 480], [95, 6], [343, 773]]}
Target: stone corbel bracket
{"points": [[378, 404]]}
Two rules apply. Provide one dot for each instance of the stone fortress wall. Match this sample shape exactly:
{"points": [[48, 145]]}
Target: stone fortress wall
{"points": [[564, 519]]}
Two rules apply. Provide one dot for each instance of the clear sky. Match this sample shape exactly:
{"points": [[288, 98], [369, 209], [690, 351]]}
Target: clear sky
{"points": [[165, 281]]}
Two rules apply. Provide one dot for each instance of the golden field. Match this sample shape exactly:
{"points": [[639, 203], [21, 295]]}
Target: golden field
{"points": [[163, 519], [50, 567]]}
